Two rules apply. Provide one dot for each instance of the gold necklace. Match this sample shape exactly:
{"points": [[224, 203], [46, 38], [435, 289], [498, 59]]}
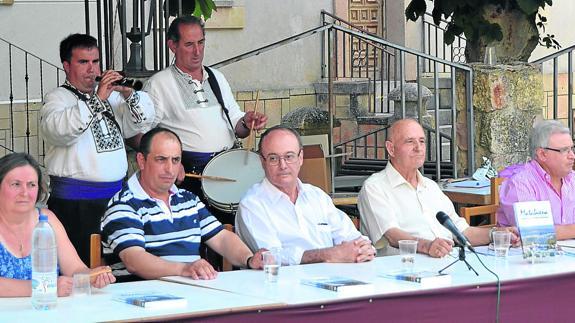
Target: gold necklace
{"points": [[21, 245]]}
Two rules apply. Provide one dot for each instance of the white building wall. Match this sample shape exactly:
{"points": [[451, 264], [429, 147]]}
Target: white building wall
{"points": [[268, 21], [38, 25], [559, 23]]}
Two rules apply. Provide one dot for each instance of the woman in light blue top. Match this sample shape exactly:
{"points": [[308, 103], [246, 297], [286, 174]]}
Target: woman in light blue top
{"points": [[20, 190]]}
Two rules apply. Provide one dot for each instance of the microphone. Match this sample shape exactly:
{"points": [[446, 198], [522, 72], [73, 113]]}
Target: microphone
{"points": [[134, 84], [446, 221]]}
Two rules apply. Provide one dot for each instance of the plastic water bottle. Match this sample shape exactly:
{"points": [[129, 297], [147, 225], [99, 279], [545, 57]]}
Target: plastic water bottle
{"points": [[44, 266]]}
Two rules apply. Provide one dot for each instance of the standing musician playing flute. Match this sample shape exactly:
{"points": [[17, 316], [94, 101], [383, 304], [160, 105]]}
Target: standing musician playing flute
{"points": [[84, 125]]}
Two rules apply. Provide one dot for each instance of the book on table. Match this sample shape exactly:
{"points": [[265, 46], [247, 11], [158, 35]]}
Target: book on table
{"points": [[153, 300], [338, 284], [426, 278], [536, 228]]}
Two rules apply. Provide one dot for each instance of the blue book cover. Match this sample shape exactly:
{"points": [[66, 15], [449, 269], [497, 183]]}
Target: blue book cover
{"points": [[424, 277], [153, 300], [336, 283], [536, 228]]}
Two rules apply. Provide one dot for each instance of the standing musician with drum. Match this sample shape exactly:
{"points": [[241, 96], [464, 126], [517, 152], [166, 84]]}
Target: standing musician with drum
{"points": [[196, 102]]}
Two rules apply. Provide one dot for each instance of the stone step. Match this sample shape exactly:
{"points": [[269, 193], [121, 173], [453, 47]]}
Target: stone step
{"points": [[365, 167]]}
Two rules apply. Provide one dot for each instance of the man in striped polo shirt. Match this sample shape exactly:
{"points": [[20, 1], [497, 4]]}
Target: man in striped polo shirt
{"points": [[153, 229]]}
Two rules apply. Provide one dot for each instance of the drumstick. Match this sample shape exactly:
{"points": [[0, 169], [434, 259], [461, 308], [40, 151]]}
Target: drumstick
{"points": [[338, 155], [253, 123], [213, 178], [100, 271]]}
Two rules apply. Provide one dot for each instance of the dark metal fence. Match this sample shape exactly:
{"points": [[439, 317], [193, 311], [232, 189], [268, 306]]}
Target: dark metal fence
{"points": [[433, 44], [24, 79], [140, 24], [436, 138], [559, 63], [348, 52]]}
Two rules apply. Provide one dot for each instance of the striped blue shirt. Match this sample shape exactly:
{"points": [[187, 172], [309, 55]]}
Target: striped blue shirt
{"points": [[173, 232]]}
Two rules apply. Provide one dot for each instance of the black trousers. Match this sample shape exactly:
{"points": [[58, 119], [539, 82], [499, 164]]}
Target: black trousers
{"points": [[80, 218]]}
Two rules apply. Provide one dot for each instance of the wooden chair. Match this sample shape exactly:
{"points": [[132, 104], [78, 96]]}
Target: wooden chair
{"points": [[95, 250], [355, 221], [226, 265], [490, 209]]}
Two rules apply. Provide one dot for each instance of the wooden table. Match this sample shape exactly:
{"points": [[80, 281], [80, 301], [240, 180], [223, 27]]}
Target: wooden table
{"points": [[344, 198], [466, 195]]}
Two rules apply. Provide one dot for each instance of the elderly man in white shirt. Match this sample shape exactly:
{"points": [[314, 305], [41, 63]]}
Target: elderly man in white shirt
{"points": [[398, 203], [281, 211]]}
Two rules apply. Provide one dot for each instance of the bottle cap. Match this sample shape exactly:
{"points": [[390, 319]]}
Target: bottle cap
{"points": [[43, 217]]}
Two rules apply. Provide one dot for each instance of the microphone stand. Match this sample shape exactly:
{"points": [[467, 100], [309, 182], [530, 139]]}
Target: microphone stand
{"points": [[460, 258]]}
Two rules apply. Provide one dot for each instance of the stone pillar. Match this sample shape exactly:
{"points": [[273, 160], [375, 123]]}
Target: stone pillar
{"points": [[506, 101], [411, 110]]}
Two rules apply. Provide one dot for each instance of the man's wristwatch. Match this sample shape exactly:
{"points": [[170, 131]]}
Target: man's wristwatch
{"points": [[248, 262]]}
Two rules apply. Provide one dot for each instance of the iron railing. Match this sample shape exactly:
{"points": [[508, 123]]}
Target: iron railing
{"points": [[358, 58], [370, 144], [560, 62], [332, 38], [147, 18], [433, 43], [403, 54], [24, 79], [384, 69]]}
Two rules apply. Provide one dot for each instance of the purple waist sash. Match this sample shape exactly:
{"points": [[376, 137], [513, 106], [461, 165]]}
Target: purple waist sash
{"points": [[75, 189]]}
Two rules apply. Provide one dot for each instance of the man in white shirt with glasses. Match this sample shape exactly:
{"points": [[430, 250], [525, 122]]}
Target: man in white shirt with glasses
{"points": [[282, 212]]}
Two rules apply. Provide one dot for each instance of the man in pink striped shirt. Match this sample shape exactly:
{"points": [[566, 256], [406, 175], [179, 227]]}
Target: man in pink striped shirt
{"points": [[548, 176]]}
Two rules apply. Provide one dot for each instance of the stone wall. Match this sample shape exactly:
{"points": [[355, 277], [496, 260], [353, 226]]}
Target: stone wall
{"points": [[506, 99], [22, 124]]}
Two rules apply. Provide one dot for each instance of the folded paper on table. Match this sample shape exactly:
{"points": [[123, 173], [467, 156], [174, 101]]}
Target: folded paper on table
{"points": [[470, 183]]}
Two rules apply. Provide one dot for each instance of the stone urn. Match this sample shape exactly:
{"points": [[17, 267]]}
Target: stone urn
{"points": [[411, 109], [308, 121]]}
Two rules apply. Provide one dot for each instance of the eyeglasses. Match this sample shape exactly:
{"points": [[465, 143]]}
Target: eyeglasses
{"points": [[289, 158], [563, 151]]}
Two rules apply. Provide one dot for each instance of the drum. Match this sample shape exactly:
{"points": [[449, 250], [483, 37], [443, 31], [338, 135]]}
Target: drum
{"points": [[243, 166]]}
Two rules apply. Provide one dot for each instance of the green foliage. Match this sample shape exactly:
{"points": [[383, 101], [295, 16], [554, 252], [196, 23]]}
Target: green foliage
{"points": [[464, 17], [196, 8], [205, 8], [548, 40]]}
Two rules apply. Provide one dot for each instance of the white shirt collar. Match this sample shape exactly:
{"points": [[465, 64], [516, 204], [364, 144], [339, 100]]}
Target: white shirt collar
{"points": [[396, 179], [188, 76], [274, 194], [139, 193]]}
